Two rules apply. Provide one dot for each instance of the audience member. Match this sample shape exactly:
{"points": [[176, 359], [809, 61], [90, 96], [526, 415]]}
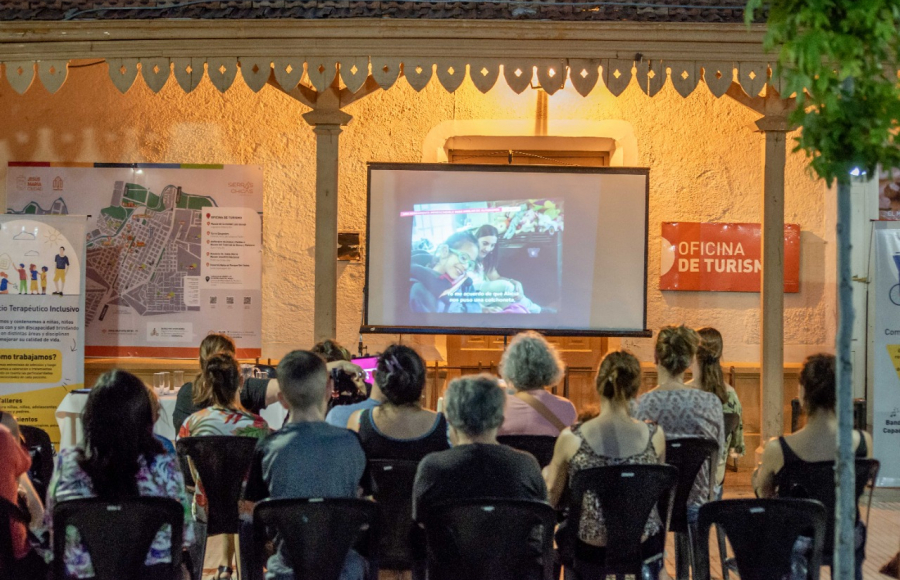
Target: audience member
{"points": [[706, 371], [256, 395], [8, 421], [351, 393], [815, 442], [120, 458], [16, 488], [679, 409], [307, 457], [157, 408], [530, 365], [612, 438], [400, 428], [476, 466], [226, 416]]}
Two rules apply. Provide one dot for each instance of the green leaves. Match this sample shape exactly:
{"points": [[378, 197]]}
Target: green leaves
{"points": [[840, 58]]}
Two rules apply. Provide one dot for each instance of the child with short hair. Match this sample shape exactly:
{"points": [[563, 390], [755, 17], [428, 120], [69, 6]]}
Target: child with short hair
{"points": [[23, 279], [43, 280], [32, 269], [4, 283]]}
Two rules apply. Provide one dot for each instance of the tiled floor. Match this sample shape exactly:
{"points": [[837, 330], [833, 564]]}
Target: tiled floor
{"points": [[882, 543]]}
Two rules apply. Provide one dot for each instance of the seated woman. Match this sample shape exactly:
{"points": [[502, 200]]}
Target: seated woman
{"points": [[707, 376], [612, 438], [815, 442], [400, 428], [16, 489], [119, 458], [256, 395], [486, 278], [440, 286], [679, 409], [530, 365], [476, 466], [226, 416]]}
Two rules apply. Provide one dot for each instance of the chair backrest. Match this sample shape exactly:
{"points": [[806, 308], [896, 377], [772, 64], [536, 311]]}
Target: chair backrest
{"points": [[815, 480], [731, 420], [8, 512], [490, 539], [688, 454], [39, 446], [401, 541], [222, 463], [315, 535], [117, 535], [541, 446], [627, 495], [762, 533]]}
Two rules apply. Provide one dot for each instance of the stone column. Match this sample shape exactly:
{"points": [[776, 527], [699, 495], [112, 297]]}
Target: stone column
{"points": [[327, 123], [772, 281]]}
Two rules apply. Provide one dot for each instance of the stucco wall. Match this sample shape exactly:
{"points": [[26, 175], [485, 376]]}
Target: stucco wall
{"points": [[706, 165]]}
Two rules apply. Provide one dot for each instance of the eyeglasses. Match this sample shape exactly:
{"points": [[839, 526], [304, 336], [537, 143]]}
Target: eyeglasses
{"points": [[464, 258]]}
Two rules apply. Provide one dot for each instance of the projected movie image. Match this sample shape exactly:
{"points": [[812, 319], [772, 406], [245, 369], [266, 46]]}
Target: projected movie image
{"points": [[491, 257]]}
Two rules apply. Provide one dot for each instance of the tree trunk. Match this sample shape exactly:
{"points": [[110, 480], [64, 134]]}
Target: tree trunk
{"points": [[845, 511]]}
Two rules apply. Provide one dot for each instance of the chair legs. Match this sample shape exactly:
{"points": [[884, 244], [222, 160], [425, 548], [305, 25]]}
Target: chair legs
{"points": [[683, 556], [198, 549], [723, 552]]}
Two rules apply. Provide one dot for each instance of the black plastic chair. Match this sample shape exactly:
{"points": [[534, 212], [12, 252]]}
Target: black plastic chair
{"points": [[117, 535], [762, 533], [688, 454], [732, 422], [222, 463], [314, 536], [401, 543], [815, 480], [39, 446], [490, 539], [8, 512], [541, 446], [627, 495]]}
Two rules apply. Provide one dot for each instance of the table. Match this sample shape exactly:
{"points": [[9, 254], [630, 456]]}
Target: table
{"points": [[71, 431]]}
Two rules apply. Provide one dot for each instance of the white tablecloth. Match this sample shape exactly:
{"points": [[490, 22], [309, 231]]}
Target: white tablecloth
{"points": [[71, 432]]}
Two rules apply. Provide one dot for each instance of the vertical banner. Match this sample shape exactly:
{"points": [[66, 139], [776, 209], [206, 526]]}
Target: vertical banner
{"points": [[174, 252], [42, 283], [886, 344]]}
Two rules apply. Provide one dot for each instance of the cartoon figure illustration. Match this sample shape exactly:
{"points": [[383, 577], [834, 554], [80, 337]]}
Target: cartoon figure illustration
{"points": [[32, 269], [23, 277], [4, 283], [43, 279], [62, 265]]}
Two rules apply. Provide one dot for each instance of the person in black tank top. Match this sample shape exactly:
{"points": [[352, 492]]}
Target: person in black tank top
{"points": [[784, 472], [400, 428]]}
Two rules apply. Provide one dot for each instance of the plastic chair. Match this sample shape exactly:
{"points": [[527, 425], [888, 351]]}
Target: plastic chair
{"points": [[117, 535], [627, 495], [8, 512], [815, 480], [762, 533], [222, 463], [490, 539], [314, 536], [541, 446], [688, 454], [732, 421], [39, 446], [401, 542]]}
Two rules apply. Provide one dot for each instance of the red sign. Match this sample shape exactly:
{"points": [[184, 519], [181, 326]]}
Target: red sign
{"points": [[721, 257]]}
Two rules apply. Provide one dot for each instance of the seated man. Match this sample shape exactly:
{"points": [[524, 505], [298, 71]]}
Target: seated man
{"points": [[307, 457], [477, 466]]}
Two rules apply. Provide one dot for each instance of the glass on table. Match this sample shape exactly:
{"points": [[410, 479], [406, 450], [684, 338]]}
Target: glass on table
{"points": [[177, 379], [157, 382], [167, 382]]}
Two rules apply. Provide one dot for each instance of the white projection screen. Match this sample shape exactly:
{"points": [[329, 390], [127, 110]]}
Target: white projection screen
{"points": [[478, 249]]}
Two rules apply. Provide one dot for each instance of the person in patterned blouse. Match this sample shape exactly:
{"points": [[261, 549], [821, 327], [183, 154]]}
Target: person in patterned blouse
{"points": [[611, 438], [226, 416], [119, 458]]}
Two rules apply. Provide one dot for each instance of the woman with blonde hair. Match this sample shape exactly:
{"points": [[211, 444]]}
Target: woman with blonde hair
{"points": [[530, 366], [612, 438], [679, 409], [707, 376]]}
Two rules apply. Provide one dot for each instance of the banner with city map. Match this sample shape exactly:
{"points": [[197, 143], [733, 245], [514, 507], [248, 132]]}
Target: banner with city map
{"points": [[174, 251]]}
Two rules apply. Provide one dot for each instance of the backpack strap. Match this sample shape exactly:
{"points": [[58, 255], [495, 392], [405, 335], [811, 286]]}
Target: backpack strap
{"points": [[541, 409]]}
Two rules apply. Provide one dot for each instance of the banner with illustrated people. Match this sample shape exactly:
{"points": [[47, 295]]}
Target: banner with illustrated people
{"points": [[42, 269], [886, 344]]}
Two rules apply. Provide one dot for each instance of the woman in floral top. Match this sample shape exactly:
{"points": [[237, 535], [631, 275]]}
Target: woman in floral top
{"points": [[120, 458], [226, 416], [707, 373]]}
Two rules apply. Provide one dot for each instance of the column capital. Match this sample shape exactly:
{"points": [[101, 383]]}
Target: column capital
{"points": [[327, 117]]}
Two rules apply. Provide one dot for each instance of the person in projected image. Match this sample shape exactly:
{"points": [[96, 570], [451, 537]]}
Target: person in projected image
{"points": [[486, 278], [440, 285]]}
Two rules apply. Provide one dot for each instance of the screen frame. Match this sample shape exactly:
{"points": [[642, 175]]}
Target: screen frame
{"points": [[455, 330]]}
